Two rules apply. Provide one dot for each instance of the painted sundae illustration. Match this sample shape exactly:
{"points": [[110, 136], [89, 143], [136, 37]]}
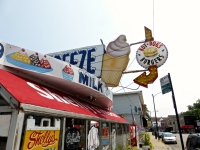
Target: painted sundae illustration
{"points": [[32, 62], [21, 56], [115, 61], [35, 59], [68, 73]]}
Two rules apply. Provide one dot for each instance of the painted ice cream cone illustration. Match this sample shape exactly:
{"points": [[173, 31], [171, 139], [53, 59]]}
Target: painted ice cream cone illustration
{"points": [[115, 61]]}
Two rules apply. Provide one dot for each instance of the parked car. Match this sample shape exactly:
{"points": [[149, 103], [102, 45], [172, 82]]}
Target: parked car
{"points": [[168, 137], [160, 134], [173, 131], [193, 141]]}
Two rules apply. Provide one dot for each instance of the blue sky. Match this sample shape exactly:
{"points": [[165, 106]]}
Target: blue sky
{"points": [[49, 26]]}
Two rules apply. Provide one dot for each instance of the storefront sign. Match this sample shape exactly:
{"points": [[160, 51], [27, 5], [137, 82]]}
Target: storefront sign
{"points": [[69, 101], [115, 61], [91, 81], [24, 59], [88, 58], [145, 79], [41, 140], [152, 53]]}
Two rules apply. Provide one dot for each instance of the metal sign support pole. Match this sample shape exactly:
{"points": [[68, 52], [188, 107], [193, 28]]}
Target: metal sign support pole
{"points": [[155, 118], [177, 117]]}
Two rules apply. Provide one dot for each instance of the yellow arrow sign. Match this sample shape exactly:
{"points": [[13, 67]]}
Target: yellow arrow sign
{"points": [[145, 79], [148, 34]]}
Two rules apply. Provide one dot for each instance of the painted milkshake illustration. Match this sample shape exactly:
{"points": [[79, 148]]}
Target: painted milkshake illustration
{"points": [[68, 73], [23, 60]]}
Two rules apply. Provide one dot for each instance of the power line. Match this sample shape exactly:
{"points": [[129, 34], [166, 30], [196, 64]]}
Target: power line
{"points": [[153, 18], [111, 52], [125, 93]]}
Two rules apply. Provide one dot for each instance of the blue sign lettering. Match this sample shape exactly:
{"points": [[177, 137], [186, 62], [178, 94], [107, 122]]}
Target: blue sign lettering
{"points": [[73, 61], [64, 56], [83, 78], [90, 59], [88, 80], [81, 58], [83, 52], [1, 50]]}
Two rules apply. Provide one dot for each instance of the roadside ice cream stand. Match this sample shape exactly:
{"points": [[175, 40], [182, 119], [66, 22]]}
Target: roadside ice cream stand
{"points": [[49, 104]]}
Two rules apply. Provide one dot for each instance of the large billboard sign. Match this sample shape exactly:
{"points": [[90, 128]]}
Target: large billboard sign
{"points": [[87, 58]]}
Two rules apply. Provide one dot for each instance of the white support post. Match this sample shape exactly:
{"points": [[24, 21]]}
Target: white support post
{"points": [[15, 131], [63, 133]]}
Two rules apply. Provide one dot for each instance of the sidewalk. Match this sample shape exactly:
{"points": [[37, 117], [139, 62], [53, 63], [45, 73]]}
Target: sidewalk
{"points": [[158, 145]]}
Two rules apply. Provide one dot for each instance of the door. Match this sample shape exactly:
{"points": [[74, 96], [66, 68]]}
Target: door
{"points": [[4, 128]]}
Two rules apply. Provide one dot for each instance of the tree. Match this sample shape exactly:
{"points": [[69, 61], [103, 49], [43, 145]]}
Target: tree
{"points": [[146, 112], [193, 109]]}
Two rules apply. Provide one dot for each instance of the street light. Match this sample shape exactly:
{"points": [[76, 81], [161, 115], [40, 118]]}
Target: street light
{"points": [[150, 116], [155, 110]]}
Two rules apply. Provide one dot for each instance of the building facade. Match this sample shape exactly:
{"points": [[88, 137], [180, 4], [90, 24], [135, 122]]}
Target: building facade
{"points": [[129, 105]]}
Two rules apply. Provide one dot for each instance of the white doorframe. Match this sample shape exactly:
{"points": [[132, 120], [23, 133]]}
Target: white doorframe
{"points": [[15, 131]]}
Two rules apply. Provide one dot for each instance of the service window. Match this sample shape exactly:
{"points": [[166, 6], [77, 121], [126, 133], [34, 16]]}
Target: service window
{"points": [[75, 134], [105, 138], [119, 136], [124, 135], [93, 135], [113, 136], [4, 128]]}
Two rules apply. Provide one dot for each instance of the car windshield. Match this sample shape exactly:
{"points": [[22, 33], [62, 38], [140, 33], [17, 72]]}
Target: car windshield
{"points": [[168, 135]]}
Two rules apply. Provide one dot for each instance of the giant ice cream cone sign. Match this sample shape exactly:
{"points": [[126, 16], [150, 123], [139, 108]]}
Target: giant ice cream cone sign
{"points": [[115, 61]]}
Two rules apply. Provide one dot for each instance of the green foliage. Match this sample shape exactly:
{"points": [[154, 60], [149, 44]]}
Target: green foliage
{"points": [[128, 147], [147, 112], [147, 140], [193, 109]]}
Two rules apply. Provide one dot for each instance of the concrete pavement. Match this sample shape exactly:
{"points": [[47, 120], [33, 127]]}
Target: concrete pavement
{"points": [[158, 145]]}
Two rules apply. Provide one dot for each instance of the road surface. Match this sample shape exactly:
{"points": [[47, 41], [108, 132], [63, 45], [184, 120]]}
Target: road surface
{"points": [[178, 145]]}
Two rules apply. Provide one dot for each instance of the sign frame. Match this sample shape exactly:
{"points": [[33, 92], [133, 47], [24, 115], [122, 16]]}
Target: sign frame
{"points": [[165, 84]]}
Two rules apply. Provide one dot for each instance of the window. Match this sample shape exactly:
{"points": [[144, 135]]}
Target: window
{"points": [[105, 135], [4, 128], [93, 135], [75, 133], [113, 136]]}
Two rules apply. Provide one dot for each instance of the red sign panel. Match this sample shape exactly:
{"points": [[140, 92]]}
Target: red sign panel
{"points": [[28, 92]]}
